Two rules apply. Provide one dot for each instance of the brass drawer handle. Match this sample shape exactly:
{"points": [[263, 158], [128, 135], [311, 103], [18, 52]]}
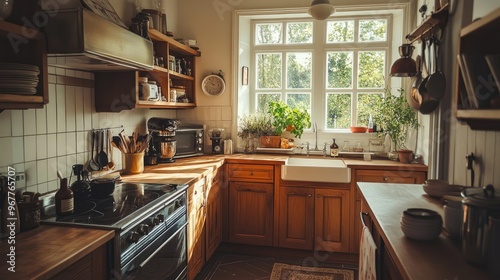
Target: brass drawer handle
{"points": [[386, 179], [251, 173]]}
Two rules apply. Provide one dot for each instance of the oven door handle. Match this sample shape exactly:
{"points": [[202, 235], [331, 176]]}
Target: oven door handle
{"points": [[161, 247]]}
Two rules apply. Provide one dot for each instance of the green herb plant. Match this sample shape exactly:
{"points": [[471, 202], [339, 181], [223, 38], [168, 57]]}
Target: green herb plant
{"points": [[283, 116], [395, 117]]}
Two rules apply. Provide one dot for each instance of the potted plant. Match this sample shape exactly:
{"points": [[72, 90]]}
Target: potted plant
{"points": [[396, 118], [296, 119], [253, 125]]}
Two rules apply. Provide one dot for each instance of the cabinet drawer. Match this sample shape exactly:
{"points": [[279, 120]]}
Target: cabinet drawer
{"points": [[391, 176], [251, 172]]}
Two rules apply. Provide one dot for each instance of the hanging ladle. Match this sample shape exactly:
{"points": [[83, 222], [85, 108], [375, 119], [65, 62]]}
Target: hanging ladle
{"points": [[103, 157], [94, 166]]}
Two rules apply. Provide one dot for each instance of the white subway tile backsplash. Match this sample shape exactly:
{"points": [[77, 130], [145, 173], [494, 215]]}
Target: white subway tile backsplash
{"points": [[215, 113], [61, 108], [71, 143], [61, 144], [31, 173], [51, 169], [51, 145], [87, 109], [29, 118], [17, 149], [62, 166], [6, 158], [41, 146], [70, 73], [79, 109], [16, 116], [42, 169], [52, 110], [5, 124], [226, 114], [81, 142], [41, 120], [70, 109], [29, 148], [60, 71], [52, 185], [43, 188]]}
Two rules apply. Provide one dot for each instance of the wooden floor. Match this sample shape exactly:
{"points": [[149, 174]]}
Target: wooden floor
{"points": [[228, 264]]}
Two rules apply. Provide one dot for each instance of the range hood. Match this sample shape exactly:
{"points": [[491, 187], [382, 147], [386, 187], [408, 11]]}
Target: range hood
{"points": [[79, 39]]}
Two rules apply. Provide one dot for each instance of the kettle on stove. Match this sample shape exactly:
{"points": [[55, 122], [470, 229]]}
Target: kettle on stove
{"points": [[80, 188]]}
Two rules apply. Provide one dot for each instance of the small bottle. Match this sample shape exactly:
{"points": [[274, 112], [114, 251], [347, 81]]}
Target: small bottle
{"points": [[334, 149], [64, 199], [370, 124]]}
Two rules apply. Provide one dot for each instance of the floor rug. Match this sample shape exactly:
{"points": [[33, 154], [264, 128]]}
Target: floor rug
{"points": [[295, 272]]}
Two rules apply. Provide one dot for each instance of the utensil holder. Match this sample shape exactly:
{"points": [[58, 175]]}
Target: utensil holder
{"points": [[133, 163], [29, 215]]}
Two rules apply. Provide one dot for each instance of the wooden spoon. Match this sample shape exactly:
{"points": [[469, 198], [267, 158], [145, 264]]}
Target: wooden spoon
{"points": [[111, 163]]}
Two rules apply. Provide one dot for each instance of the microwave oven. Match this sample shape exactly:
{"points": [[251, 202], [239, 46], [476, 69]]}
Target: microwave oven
{"points": [[190, 140]]}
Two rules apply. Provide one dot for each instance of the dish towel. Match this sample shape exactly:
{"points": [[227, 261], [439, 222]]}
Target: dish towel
{"points": [[367, 250]]}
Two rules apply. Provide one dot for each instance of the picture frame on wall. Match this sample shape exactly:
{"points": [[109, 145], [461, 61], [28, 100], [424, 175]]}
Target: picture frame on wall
{"points": [[244, 75]]}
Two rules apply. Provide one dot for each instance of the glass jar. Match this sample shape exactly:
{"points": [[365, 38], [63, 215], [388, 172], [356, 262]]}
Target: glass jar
{"points": [[6, 7]]}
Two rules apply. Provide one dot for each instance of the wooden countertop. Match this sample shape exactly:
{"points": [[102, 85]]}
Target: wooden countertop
{"points": [[187, 170], [438, 259], [45, 251]]}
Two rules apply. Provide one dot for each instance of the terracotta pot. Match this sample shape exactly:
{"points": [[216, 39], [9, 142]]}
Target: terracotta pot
{"points": [[405, 156], [270, 141]]}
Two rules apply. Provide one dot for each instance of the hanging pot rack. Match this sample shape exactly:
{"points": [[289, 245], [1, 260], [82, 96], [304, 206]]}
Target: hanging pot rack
{"points": [[430, 26]]}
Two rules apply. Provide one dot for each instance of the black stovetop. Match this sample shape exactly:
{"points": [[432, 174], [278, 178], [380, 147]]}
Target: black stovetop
{"points": [[120, 207]]}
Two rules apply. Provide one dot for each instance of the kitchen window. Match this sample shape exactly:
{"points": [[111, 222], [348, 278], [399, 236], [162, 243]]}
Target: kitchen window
{"points": [[336, 68]]}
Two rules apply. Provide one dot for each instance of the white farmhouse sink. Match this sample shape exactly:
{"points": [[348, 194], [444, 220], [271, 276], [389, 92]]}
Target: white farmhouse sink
{"points": [[316, 170]]}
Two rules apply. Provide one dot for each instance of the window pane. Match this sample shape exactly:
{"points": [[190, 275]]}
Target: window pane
{"points": [[299, 69], [339, 68], [340, 31], [371, 69], [269, 33], [299, 33], [373, 30], [299, 100], [268, 70], [366, 106], [263, 100], [338, 113]]}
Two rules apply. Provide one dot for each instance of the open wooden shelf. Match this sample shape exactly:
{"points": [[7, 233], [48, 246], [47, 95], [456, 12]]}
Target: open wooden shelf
{"points": [[430, 25], [477, 39], [31, 49]]}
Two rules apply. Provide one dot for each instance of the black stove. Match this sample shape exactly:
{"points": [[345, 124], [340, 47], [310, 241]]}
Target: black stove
{"points": [[146, 217], [118, 208]]}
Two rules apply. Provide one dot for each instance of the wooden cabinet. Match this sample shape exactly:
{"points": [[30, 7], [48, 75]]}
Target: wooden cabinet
{"points": [[196, 227], [117, 91], [477, 97], [91, 266], [214, 213], [20, 44], [314, 218], [296, 218], [378, 176], [250, 204]]}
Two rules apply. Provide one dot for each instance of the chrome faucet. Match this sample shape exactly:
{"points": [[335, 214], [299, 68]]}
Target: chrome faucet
{"points": [[315, 130]]}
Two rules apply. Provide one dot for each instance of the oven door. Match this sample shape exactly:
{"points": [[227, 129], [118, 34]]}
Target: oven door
{"points": [[165, 258]]}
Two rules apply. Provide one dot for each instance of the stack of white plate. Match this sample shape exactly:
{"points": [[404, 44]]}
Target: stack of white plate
{"points": [[421, 224], [17, 78], [440, 188]]}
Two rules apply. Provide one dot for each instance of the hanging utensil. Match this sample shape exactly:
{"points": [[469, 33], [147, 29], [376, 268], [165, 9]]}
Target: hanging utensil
{"points": [[436, 85], [412, 96], [94, 166], [111, 163], [103, 157], [428, 104]]}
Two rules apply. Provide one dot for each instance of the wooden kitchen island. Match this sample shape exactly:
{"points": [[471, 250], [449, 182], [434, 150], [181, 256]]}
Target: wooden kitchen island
{"points": [[58, 252], [403, 258]]}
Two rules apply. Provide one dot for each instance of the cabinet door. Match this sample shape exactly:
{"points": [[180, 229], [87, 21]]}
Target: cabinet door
{"points": [[196, 228], [214, 218], [332, 220], [251, 172], [296, 218], [391, 176], [251, 213]]}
